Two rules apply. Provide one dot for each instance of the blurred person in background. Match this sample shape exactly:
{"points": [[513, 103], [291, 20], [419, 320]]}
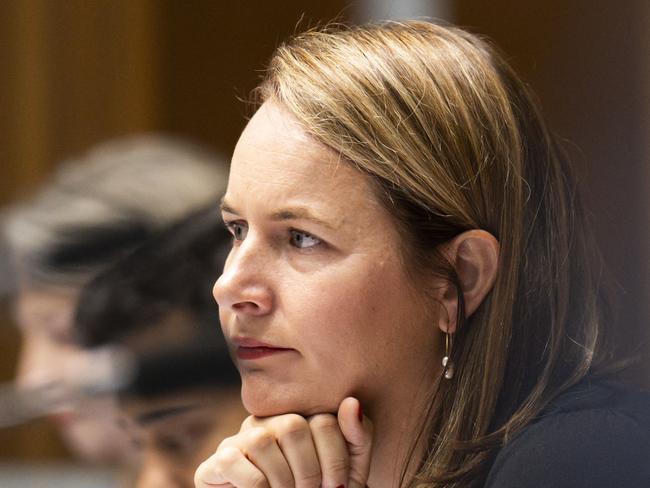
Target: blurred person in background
{"points": [[157, 299], [95, 210]]}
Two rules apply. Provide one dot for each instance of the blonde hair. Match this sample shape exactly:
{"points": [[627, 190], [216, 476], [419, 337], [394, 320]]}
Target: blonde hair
{"points": [[105, 202], [454, 141]]}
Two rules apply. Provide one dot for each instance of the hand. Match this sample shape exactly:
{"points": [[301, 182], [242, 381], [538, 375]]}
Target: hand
{"points": [[290, 450]]}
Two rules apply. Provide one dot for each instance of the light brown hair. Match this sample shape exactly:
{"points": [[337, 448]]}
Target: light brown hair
{"points": [[453, 141]]}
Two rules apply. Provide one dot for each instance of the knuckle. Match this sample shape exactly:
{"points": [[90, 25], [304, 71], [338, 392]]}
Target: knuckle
{"points": [[287, 481], [225, 457], [259, 438], [257, 480], [212, 470], [248, 422], [291, 424], [308, 480], [200, 474], [324, 422], [338, 466], [228, 441]]}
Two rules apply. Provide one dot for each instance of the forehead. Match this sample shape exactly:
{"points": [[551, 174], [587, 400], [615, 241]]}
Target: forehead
{"points": [[273, 134], [277, 159]]}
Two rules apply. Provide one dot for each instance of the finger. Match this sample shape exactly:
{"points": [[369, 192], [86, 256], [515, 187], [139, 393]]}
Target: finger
{"points": [[295, 439], [249, 422], [331, 449], [357, 430], [228, 466], [264, 452]]}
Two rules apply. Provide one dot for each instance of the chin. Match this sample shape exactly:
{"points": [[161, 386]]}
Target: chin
{"points": [[268, 400]]}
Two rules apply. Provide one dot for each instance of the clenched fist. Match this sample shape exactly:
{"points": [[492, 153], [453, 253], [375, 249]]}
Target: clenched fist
{"points": [[293, 451]]}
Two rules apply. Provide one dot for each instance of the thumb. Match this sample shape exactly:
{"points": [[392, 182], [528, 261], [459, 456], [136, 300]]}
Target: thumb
{"points": [[357, 430]]}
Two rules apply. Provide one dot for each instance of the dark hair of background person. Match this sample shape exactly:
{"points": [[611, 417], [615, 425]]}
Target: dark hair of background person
{"points": [[174, 271]]}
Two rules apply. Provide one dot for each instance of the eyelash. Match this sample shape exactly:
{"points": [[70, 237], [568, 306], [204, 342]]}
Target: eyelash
{"points": [[234, 226]]}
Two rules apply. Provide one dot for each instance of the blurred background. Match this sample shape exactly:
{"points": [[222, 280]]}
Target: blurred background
{"points": [[74, 73]]}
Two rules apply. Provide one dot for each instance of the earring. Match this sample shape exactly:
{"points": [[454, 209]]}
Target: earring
{"points": [[447, 363]]}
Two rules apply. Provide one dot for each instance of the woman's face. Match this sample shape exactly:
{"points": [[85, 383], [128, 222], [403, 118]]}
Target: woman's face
{"points": [[314, 299]]}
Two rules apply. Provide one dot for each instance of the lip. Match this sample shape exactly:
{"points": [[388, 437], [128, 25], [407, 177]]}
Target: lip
{"points": [[250, 349]]}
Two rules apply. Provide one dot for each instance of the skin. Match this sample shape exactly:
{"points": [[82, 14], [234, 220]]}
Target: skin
{"points": [[176, 432], [316, 270], [44, 317], [344, 283]]}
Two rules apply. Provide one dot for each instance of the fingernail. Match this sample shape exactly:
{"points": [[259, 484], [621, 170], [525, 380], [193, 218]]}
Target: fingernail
{"points": [[360, 414]]}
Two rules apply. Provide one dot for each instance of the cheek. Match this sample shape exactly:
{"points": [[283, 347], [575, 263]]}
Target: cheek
{"points": [[352, 318]]}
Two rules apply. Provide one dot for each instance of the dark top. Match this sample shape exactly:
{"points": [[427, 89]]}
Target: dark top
{"points": [[596, 435]]}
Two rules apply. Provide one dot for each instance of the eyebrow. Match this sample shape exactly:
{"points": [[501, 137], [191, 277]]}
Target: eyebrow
{"points": [[225, 207], [163, 413], [291, 213]]}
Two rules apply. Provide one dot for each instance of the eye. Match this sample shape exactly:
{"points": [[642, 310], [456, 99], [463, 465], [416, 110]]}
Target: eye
{"points": [[303, 240], [237, 229], [173, 444]]}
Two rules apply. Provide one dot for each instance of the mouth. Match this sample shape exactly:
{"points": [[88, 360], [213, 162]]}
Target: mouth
{"points": [[248, 349]]}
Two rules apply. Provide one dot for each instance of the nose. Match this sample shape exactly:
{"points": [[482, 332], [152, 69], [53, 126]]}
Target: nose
{"points": [[245, 285]]}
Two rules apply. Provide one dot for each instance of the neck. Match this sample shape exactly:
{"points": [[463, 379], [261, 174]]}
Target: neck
{"points": [[399, 421]]}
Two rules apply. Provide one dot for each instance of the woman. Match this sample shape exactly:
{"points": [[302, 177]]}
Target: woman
{"points": [[409, 254]]}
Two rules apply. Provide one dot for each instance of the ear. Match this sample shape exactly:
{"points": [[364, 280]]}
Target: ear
{"points": [[474, 255]]}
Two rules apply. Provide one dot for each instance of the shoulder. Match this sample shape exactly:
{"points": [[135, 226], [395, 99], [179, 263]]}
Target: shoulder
{"points": [[595, 435]]}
